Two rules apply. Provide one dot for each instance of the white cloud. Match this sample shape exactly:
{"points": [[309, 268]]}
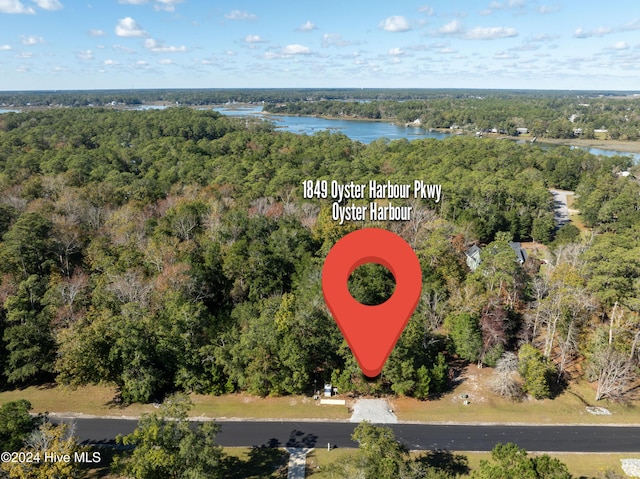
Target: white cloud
{"points": [[15, 6], [504, 56], [620, 46], [111, 63], [633, 25], [165, 61], [426, 9], [334, 39], [240, 15], [159, 47], [307, 27], [254, 39], [5, 48], [50, 5], [598, 32], [84, 55], [396, 23], [158, 6], [490, 33], [493, 7], [166, 5], [543, 37], [295, 49], [142, 63], [510, 4], [123, 50], [396, 52], [128, 27], [96, 32], [544, 9], [525, 47], [454, 27], [31, 40]]}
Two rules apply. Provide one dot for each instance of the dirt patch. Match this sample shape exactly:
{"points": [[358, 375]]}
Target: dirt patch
{"points": [[473, 385]]}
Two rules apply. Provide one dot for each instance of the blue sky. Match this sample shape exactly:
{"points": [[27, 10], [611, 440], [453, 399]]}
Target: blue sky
{"points": [[529, 44]]}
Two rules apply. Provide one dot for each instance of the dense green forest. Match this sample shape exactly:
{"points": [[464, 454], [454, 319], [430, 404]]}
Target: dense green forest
{"points": [[173, 250]]}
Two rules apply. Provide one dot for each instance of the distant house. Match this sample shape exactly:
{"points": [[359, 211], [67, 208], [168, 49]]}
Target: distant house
{"points": [[600, 130], [577, 131], [522, 131], [521, 254], [473, 255]]}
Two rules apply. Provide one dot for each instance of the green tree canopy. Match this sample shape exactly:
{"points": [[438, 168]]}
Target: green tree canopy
{"points": [[167, 447]]}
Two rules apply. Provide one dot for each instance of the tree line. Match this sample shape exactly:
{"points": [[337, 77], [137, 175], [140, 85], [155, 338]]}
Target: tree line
{"points": [[209, 96]]}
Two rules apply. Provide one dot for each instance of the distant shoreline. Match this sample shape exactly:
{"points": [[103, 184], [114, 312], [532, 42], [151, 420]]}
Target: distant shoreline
{"points": [[615, 145]]}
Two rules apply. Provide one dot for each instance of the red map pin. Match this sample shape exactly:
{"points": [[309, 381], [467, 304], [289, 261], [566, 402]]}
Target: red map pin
{"points": [[371, 331]]}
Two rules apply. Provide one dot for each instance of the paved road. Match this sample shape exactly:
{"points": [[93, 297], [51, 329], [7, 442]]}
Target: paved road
{"points": [[416, 436], [561, 210]]}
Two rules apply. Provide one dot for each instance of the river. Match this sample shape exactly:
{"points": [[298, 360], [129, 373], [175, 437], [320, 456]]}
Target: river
{"points": [[366, 131], [360, 130]]}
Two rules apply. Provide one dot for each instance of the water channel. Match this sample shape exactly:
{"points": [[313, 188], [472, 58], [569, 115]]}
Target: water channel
{"points": [[366, 131], [359, 130]]}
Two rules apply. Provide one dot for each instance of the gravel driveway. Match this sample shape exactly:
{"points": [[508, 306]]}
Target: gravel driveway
{"points": [[376, 411]]}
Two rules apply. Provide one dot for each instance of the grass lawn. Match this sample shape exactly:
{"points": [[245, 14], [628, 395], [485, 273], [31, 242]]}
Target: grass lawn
{"points": [[243, 405], [98, 401]]}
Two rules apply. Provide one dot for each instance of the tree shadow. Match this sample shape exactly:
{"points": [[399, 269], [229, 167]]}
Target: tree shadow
{"points": [[300, 440], [454, 464], [261, 462], [557, 386], [457, 366], [117, 401]]}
